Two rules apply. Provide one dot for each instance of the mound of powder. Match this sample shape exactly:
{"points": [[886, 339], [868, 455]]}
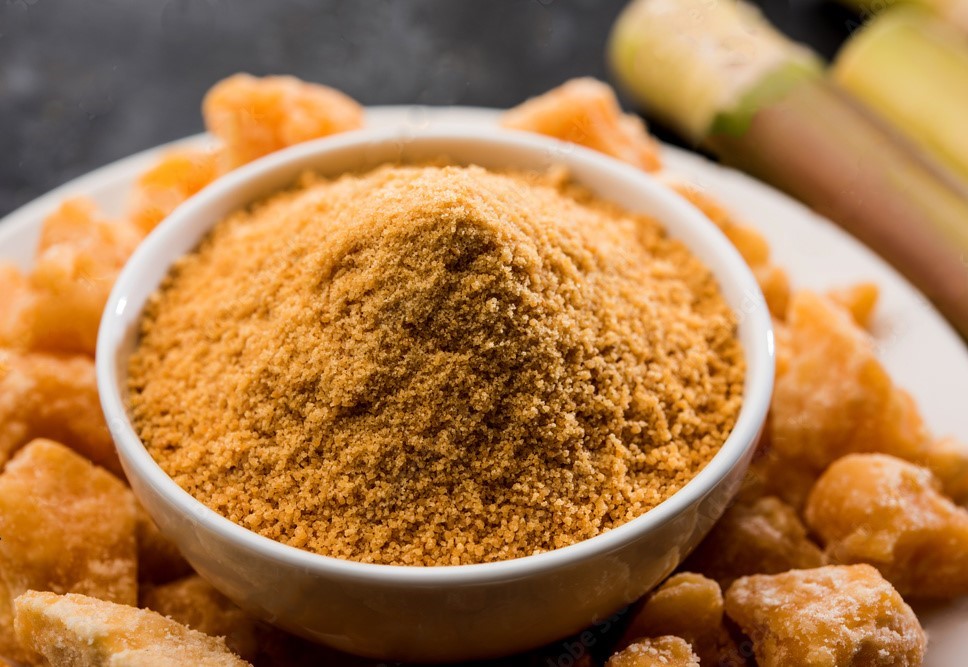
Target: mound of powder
{"points": [[435, 365]]}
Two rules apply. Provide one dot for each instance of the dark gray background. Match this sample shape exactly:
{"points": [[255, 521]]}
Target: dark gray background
{"points": [[85, 82]]}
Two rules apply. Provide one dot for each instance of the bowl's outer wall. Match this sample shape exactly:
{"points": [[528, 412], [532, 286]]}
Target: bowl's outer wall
{"points": [[437, 624], [451, 617]]}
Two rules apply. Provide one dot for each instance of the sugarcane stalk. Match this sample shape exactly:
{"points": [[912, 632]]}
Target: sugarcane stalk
{"points": [[912, 70], [825, 150], [690, 60], [784, 122]]}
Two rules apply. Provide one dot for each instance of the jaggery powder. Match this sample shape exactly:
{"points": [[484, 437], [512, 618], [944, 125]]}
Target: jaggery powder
{"points": [[434, 365]]}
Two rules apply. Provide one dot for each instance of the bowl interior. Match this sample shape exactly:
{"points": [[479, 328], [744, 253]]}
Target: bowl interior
{"points": [[489, 148]]}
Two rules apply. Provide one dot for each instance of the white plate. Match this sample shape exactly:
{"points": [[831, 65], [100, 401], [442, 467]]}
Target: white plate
{"points": [[921, 351]]}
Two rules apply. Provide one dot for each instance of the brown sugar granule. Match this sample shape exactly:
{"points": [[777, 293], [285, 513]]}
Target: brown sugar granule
{"points": [[435, 365]]}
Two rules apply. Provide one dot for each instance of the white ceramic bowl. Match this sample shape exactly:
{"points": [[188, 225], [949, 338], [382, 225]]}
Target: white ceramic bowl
{"points": [[453, 612]]}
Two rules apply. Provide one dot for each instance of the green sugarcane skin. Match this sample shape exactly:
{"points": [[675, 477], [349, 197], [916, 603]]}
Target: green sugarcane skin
{"points": [[912, 70], [771, 88], [824, 149]]}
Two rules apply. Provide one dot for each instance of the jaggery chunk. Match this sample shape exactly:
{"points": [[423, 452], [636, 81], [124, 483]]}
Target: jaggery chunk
{"points": [[456, 366], [947, 459], [835, 398], [876, 509], [665, 651], [690, 606], [586, 112], [177, 176], [775, 285], [762, 537], [860, 300], [80, 631], [79, 256], [773, 280], [783, 339], [65, 526], [771, 474], [256, 116], [833, 616], [53, 396], [193, 602], [16, 301], [748, 242], [159, 560]]}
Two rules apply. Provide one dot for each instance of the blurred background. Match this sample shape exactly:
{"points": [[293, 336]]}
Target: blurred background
{"points": [[85, 83]]}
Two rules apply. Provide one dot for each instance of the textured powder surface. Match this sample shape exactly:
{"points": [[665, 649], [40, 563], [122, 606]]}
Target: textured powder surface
{"points": [[435, 365]]}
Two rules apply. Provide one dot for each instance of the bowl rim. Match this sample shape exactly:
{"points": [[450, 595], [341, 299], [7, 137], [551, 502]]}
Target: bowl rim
{"points": [[137, 462]]}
